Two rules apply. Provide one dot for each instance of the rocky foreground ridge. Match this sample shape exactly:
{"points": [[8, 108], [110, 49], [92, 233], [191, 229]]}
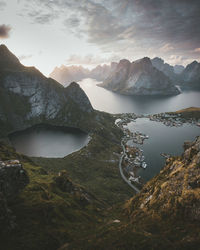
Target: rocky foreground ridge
{"points": [[139, 78], [13, 179], [164, 215]]}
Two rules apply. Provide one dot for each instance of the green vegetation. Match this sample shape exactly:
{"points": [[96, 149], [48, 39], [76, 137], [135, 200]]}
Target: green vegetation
{"points": [[50, 210], [192, 112]]}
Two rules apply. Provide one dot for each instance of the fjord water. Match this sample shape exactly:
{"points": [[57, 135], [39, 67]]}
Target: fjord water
{"points": [[162, 139], [108, 101], [49, 141]]}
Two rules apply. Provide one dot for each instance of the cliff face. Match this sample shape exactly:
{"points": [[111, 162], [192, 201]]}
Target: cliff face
{"points": [[27, 97], [191, 75], [139, 78], [167, 69]]}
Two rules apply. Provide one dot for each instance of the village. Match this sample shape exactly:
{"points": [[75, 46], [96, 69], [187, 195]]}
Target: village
{"points": [[173, 119], [133, 156]]}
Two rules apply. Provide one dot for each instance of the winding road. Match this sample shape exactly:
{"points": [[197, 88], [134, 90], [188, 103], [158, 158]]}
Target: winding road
{"points": [[121, 171]]}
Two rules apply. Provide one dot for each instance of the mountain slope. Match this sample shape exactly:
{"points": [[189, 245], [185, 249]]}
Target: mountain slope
{"points": [[167, 69], [164, 215], [139, 78], [191, 75], [28, 98]]}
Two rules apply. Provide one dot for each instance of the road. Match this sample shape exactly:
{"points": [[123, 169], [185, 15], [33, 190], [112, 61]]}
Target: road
{"points": [[121, 171]]}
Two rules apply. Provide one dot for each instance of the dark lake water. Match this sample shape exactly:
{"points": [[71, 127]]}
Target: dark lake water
{"points": [[110, 102], [162, 139], [49, 141]]}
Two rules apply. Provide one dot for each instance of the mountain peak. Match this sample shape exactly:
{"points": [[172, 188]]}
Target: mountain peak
{"points": [[8, 59]]}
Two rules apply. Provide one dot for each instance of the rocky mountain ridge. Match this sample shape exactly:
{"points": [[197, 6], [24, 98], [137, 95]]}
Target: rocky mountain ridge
{"points": [[27, 97], [178, 74], [191, 75], [139, 78], [167, 69]]}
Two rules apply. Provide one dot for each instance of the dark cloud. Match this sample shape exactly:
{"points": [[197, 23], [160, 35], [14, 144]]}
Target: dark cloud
{"points": [[170, 27], [2, 5], [4, 31]]}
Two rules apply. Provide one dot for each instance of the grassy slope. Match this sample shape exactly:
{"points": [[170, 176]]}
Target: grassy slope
{"points": [[192, 112], [165, 215], [95, 167], [47, 216]]}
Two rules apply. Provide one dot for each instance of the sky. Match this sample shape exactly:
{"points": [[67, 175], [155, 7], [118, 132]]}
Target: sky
{"points": [[50, 33]]}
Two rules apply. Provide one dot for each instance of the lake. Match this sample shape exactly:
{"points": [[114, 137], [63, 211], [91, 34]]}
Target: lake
{"points": [[108, 101], [162, 139], [48, 141]]}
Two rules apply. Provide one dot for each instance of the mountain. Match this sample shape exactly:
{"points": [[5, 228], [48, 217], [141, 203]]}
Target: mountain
{"points": [[139, 78], [167, 69], [27, 97], [178, 69], [191, 75], [66, 75], [101, 72]]}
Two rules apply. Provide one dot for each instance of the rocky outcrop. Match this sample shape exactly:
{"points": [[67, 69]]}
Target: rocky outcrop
{"points": [[63, 182], [13, 178], [191, 75], [27, 98], [139, 78], [167, 69]]}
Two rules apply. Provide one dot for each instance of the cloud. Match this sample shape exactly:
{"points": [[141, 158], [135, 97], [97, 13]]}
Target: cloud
{"points": [[128, 27], [166, 48], [197, 50], [24, 57], [42, 17], [2, 5], [4, 31], [151, 22], [91, 59]]}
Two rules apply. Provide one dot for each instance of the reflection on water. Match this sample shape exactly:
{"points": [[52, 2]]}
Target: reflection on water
{"points": [[48, 141], [162, 139], [105, 100]]}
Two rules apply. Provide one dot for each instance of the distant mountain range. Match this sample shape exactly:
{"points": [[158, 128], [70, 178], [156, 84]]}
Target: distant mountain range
{"points": [[139, 78], [116, 76], [67, 74]]}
